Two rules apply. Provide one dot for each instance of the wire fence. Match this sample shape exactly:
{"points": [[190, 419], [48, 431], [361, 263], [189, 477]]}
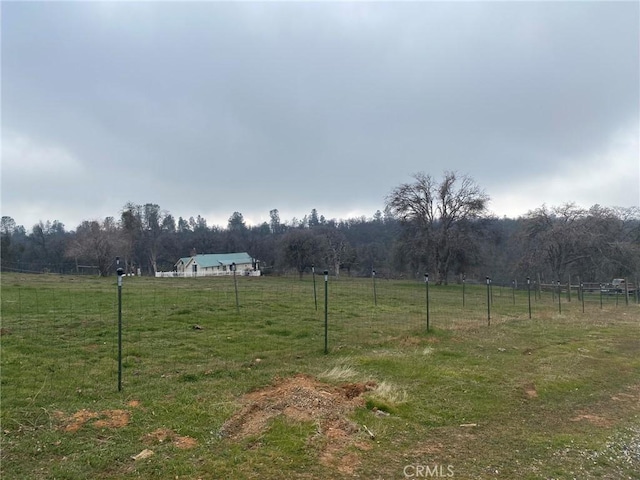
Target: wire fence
{"points": [[63, 329]]}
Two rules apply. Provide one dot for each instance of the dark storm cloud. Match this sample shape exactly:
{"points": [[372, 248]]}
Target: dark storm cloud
{"points": [[210, 108]]}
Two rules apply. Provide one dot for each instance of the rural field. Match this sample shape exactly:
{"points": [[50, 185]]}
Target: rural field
{"points": [[229, 378]]}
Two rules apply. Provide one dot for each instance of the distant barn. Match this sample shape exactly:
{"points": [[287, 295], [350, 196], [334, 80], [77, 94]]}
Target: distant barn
{"points": [[213, 264]]}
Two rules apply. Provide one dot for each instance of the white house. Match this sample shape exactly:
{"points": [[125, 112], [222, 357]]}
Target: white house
{"points": [[211, 264]]}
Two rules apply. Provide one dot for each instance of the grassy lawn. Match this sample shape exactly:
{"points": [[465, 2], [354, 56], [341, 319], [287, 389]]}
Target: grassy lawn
{"points": [[212, 388]]}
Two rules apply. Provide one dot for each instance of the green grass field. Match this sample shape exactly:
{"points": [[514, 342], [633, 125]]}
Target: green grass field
{"points": [[212, 388]]}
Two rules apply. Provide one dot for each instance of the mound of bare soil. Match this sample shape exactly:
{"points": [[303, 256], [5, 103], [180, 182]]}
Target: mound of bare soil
{"points": [[303, 398], [103, 419]]}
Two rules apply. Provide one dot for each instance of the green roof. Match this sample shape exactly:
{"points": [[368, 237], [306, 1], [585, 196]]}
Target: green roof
{"points": [[216, 259]]}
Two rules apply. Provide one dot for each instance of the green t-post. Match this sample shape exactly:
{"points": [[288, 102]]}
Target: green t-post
{"points": [[529, 294], [426, 282], [326, 311], [119, 272]]}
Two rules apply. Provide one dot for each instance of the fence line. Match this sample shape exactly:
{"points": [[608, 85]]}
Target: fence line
{"points": [[208, 273], [64, 328]]}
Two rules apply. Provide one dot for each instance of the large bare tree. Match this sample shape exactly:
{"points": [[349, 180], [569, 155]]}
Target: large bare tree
{"points": [[438, 217], [555, 238], [337, 248], [96, 242], [568, 240]]}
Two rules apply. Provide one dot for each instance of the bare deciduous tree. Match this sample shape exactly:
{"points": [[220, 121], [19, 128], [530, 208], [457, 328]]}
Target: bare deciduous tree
{"points": [[337, 249], [555, 238], [96, 242], [598, 243], [437, 216]]}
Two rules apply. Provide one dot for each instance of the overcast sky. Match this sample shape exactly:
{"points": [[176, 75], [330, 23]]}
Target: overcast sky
{"points": [[210, 108]]}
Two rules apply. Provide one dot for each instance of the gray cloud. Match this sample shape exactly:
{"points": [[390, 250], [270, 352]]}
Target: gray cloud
{"points": [[210, 108]]}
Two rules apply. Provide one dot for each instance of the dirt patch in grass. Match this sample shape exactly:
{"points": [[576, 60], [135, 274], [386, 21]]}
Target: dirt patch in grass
{"points": [[103, 419], [607, 414], [597, 420], [632, 395], [530, 390], [409, 341], [303, 398], [162, 435]]}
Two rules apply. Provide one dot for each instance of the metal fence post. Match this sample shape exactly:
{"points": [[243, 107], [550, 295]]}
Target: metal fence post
{"points": [[426, 282], [601, 287], [464, 277], [315, 296], [488, 302], [235, 286], [375, 296], [529, 294], [119, 273], [326, 311]]}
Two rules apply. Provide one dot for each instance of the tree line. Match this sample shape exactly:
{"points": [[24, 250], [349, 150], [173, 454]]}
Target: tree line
{"points": [[440, 226]]}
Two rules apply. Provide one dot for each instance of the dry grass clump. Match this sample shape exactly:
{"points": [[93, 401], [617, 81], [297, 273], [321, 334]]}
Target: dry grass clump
{"points": [[340, 372], [389, 393]]}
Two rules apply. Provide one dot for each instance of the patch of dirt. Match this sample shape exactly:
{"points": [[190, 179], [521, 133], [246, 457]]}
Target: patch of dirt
{"points": [[303, 398], [609, 413], [409, 341], [353, 390], [113, 419], [632, 395], [594, 419], [530, 390], [103, 419], [163, 434]]}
